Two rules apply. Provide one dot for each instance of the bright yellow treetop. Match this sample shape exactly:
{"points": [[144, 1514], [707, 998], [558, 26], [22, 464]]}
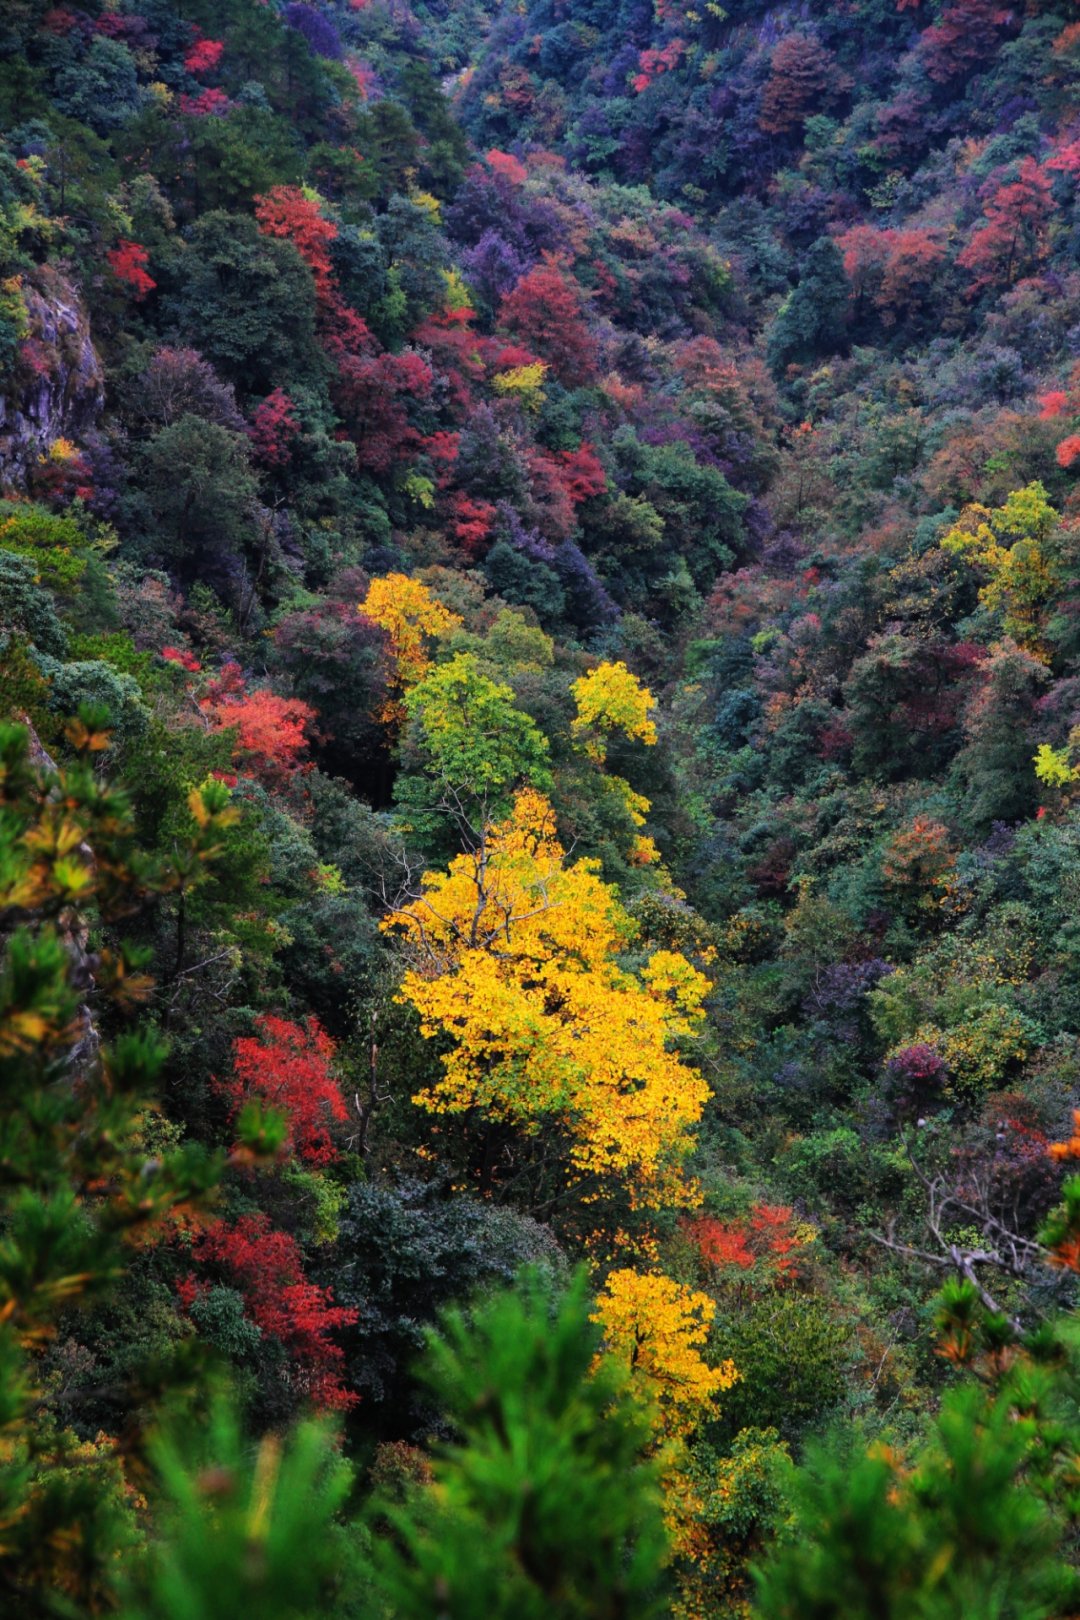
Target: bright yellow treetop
{"points": [[410, 615], [657, 1326], [611, 698], [515, 958]]}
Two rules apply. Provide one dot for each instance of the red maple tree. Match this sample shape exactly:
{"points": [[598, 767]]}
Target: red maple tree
{"points": [[273, 428], [267, 1269], [271, 731], [127, 261], [289, 1066], [203, 55], [803, 75], [546, 312], [765, 1241], [507, 166], [286, 213], [1013, 238], [966, 34]]}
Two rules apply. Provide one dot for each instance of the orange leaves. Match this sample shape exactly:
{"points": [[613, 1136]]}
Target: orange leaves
{"points": [[896, 268], [918, 856], [766, 1240], [803, 77], [271, 731], [1068, 451], [288, 213], [1063, 1151]]}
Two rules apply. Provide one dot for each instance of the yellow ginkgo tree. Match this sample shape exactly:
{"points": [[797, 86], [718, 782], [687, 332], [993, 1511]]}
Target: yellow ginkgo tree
{"points": [[515, 968], [609, 699], [657, 1328], [412, 617]]}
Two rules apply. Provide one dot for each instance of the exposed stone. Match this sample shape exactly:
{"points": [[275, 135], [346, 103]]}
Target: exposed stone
{"points": [[65, 399]]}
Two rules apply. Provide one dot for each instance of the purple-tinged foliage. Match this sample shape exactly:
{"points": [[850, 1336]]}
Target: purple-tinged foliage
{"points": [[494, 267], [316, 27]]}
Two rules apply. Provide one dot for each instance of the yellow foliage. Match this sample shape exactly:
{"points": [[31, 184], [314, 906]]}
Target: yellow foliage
{"points": [[428, 203], [516, 960], [636, 805], [979, 1050], [410, 615], [1010, 545], [611, 698], [1052, 766], [456, 295], [524, 382], [656, 1325]]}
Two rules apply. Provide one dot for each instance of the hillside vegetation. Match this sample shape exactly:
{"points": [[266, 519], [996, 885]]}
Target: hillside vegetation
{"points": [[539, 826]]}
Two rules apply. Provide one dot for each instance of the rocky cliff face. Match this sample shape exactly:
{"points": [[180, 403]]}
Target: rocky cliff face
{"points": [[61, 392]]}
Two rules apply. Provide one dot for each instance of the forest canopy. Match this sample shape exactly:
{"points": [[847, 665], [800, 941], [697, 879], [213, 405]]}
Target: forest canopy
{"points": [[539, 831]]}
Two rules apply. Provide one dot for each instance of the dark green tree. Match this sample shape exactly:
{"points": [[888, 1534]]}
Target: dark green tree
{"points": [[542, 1505]]}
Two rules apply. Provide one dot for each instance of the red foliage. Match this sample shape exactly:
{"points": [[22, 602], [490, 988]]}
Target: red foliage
{"points": [[344, 332], [1052, 404], [177, 655], [901, 125], [551, 508], [211, 103], [448, 336], [363, 74], [267, 1268], [287, 1066], [653, 63], [722, 1243], [507, 167], [802, 75], [893, 268], [273, 428], [966, 35], [371, 394], [271, 731], [286, 213], [227, 683], [765, 1241], [1066, 158], [771, 873], [509, 356], [442, 451], [545, 310], [472, 522], [1068, 450], [1013, 238], [582, 473], [203, 56], [127, 261], [834, 740]]}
